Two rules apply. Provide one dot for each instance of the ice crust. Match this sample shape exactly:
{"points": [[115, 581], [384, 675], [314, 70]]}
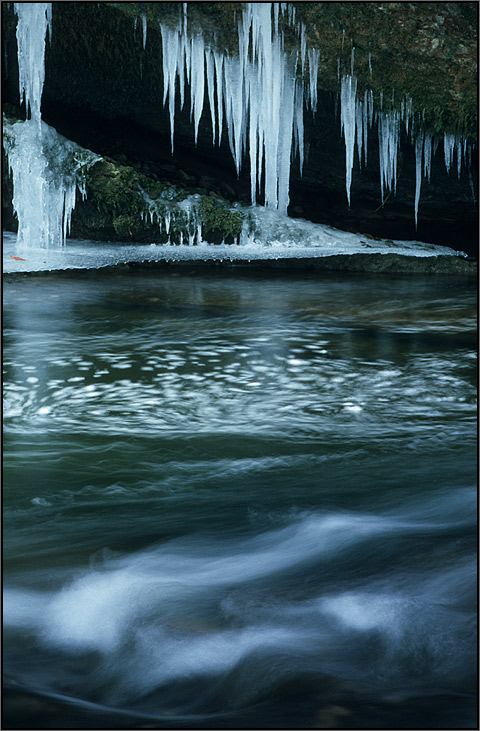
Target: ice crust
{"points": [[267, 234]]}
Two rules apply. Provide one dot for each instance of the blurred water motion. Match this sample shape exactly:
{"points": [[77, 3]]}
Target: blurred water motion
{"points": [[239, 502]]}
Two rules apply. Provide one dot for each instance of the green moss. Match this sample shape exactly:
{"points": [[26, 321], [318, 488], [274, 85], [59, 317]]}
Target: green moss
{"points": [[219, 221], [119, 201]]}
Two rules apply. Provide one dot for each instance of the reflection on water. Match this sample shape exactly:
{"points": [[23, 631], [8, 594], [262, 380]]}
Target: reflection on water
{"points": [[239, 501]]}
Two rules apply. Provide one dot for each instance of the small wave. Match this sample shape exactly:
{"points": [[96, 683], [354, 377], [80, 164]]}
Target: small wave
{"points": [[221, 611]]}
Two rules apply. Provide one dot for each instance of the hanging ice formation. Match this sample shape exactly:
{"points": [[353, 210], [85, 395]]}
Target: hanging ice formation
{"points": [[239, 84], [235, 86], [348, 95], [33, 21], [357, 115], [45, 167]]}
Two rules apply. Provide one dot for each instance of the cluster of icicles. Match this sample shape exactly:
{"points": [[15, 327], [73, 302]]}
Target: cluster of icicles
{"points": [[255, 95], [238, 86]]}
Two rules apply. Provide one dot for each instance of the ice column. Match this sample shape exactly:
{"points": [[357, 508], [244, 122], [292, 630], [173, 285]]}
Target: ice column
{"points": [[33, 21], [44, 168], [43, 165]]}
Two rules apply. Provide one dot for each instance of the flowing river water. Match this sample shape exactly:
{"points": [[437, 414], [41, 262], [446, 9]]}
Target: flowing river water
{"points": [[239, 501]]}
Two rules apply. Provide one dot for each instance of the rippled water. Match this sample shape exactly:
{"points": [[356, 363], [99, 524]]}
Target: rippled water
{"points": [[239, 501]]}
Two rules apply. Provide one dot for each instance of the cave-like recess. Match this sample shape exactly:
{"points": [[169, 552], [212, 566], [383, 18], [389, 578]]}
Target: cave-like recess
{"points": [[105, 91]]}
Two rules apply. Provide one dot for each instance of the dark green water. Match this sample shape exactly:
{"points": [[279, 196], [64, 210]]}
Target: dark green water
{"points": [[239, 502]]}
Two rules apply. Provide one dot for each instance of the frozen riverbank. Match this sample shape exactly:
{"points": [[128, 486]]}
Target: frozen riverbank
{"points": [[335, 250]]}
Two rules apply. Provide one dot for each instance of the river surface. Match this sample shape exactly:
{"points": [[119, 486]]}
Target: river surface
{"points": [[239, 501]]}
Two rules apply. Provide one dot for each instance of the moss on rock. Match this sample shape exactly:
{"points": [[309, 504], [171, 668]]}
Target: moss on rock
{"points": [[125, 205], [220, 223]]}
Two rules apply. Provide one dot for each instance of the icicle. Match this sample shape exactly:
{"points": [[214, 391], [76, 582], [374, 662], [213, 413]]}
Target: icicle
{"points": [[418, 176], [365, 126], [253, 139], [427, 156], [408, 112], [352, 60], [197, 81], [388, 139], [262, 70], [298, 124], [347, 115], [472, 189], [303, 46], [234, 107], [448, 147], [313, 59], [275, 17], [211, 87], [33, 21], [144, 26], [459, 156], [218, 59], [370, 63], [359, 126], [370, 108]]}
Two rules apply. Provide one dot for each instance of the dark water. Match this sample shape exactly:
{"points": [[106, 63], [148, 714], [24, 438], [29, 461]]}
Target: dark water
{"points": [[239, 502]]}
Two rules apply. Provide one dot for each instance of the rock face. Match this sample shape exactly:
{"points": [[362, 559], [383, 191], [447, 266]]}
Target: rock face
{"points": [[104, 89]]}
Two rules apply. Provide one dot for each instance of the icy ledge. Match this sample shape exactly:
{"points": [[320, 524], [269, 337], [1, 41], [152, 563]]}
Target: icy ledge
{"points": [[267, 236]]}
